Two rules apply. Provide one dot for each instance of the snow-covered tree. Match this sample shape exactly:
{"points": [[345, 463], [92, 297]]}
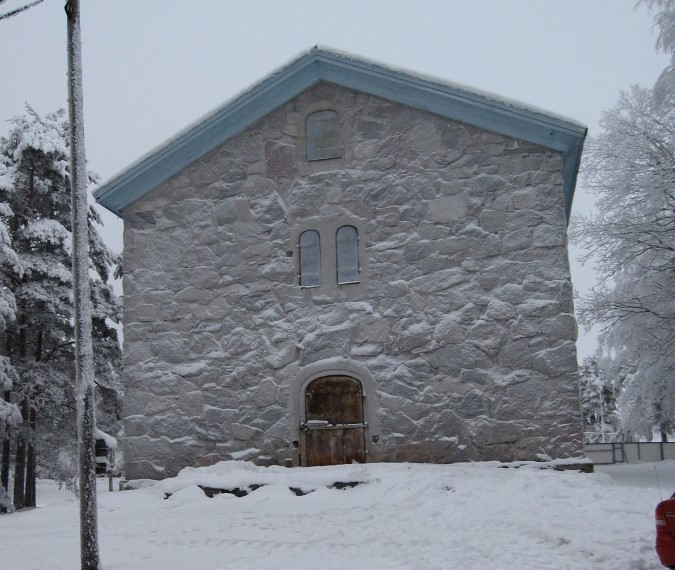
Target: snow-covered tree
{"points": [[600, 390], [664, 21], [9, 274], [8, 259], [630, 167], [38, 337], [10, 416], [631, 238]]}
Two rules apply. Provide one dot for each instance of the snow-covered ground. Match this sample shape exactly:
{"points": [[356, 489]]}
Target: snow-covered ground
{"points": [[399, 516]]}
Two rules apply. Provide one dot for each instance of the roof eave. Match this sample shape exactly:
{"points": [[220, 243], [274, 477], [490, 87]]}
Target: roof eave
{"points": [[196, 141], [317, 65]]}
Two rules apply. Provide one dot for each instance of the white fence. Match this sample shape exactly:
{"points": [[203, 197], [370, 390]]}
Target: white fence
{"points": [[629, 452]]}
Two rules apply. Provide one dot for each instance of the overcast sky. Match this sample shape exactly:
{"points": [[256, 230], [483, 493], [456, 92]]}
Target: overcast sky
{"points": [[151, 67]]}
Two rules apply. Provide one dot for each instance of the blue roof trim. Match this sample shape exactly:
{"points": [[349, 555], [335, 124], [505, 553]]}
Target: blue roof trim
{"points": [[317, 65]]}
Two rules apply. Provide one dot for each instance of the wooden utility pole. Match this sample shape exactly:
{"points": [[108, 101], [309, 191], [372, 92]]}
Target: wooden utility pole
{"points": [[84, 358]]}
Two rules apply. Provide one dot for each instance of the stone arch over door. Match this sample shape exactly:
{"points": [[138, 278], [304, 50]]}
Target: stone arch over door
{"points": [[334, 425]]}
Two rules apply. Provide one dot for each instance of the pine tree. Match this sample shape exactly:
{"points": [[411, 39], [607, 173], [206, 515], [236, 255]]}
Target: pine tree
{"points": [[39, 340], [10, 415]]}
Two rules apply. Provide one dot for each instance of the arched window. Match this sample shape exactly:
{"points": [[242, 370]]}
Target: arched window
{"points": [[323, 135], [310, 259], [347, 255]]}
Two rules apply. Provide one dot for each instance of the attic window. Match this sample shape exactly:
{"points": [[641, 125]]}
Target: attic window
{"points": [[323, 135]]}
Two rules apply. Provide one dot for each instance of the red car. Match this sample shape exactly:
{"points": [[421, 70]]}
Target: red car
{"points": [[665, 532]]}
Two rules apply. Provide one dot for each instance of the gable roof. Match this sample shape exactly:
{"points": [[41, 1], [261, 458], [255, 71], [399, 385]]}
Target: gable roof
{"points": [[452, 101]]}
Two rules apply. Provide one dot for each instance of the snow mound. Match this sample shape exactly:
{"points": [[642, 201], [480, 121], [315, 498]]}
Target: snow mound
{"points": [[230, 475], [408, 517]]}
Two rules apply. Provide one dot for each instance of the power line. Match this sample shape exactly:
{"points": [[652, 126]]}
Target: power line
{"points": [[18, 10]]}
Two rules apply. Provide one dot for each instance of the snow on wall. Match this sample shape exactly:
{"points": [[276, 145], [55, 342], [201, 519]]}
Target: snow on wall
{"points": [[462, 320]]}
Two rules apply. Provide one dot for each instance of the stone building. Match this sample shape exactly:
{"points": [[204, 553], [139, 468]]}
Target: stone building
{"points": [[350, 263]]}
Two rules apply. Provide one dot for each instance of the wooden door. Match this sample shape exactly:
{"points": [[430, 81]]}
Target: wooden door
{"points": [[334, 423]]}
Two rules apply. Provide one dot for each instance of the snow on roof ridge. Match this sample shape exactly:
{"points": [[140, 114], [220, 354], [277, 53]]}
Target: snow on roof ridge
{"points": [[482, 93], [478, 96]]}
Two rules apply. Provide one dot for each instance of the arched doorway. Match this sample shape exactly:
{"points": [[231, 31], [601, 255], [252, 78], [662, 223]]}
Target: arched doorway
{"points": [[334, 425]]}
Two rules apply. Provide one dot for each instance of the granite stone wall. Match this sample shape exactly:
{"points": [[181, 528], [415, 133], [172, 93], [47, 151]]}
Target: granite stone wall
{"points": [[461, 329]]}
